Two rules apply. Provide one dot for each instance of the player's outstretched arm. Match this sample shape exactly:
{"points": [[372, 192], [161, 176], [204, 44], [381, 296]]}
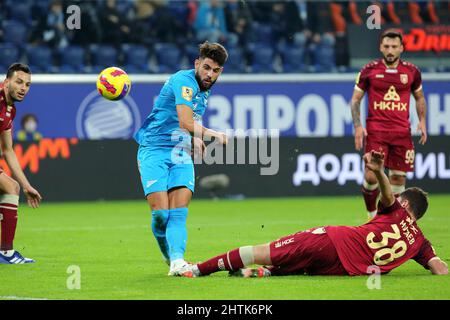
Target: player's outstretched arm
{"points": [[360, 131], [186, 119], [33, 196], [437, 266], [375, 162], [421, 107]]}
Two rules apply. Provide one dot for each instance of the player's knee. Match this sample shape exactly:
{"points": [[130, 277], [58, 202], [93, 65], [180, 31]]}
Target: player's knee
{"points": [[12, 187]]}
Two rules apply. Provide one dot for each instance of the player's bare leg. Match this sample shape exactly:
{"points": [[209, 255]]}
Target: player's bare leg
{"points": [[235, 262], [9, 201], [176, 232], [370, 191], [159, 204], [398, 181]]}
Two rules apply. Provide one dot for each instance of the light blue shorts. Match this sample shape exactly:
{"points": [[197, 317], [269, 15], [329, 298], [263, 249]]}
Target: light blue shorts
{"points": [[163, 168]]}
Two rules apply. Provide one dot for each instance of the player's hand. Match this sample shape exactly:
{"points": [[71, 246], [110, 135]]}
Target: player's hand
{"points": [[422, 128], [222, 137], [199, 147], [360, 134], [33, 196], [374, 160]]}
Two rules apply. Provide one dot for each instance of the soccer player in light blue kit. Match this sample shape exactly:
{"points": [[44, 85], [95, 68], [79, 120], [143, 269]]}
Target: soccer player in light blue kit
{"points": [[165, 142]]}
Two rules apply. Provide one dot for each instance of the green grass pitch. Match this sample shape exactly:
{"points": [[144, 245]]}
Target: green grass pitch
{"points": [[112, 244]]}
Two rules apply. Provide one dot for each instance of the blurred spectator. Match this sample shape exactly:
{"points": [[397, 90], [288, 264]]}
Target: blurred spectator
{"points": [[142, 15], [29, 131], [115, 28], [239, 19], [166, 26], [210, 23], [51, 29]]}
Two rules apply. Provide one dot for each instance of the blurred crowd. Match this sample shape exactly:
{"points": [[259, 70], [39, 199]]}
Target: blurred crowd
{"points": [[162, 35]]}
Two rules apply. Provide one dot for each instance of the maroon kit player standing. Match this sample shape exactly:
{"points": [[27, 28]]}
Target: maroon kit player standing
{"points": [[389, 83], [387, 241], [14, 89]]}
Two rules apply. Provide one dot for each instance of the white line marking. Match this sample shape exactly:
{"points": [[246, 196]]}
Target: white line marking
{"points": [[21, 298]]}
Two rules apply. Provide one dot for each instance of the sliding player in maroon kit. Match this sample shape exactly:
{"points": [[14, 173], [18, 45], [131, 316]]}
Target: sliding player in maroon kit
{"points": [[387, 241], [14, 89], [389, 83]]}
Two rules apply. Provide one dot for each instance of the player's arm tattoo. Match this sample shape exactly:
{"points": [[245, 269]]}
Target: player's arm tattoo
{"points": [[421, 104], [355, 105]]}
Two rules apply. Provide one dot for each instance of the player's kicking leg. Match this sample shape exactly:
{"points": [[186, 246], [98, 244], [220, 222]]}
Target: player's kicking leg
{"points": [[235, 262], [9, 202]]}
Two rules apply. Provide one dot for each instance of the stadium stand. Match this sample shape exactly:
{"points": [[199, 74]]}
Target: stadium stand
{"points": [[160, 36]]}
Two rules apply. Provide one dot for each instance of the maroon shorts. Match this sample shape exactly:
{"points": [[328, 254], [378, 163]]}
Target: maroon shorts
{"points": [[398, 149], [308, 252]]}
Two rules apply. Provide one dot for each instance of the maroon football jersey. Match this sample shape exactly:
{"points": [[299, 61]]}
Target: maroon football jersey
{"points": [[387, 241], [389, 92], [7, 113]]}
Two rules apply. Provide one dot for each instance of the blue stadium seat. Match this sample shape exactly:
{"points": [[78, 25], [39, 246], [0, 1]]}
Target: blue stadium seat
{"points": [[324, 56], [263, 33], [191, 51], [14, 32], [292, 58], [235, 62], [40, 58], [72, 60], [103, 56], [136, 58], [168, 57], [8, 54], [21, 12], [262, 58]]}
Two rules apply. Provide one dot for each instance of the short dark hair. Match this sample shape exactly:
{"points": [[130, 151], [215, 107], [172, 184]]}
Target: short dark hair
{"points": [[17, 67], [26, 117], [392, 33], [214, 51], [418, 201]]}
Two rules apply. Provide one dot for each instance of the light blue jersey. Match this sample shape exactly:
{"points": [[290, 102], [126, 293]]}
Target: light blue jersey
{"points": [[162, 128]]}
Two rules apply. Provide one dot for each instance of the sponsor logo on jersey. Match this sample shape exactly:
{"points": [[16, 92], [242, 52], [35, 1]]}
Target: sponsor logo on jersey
{"points": [[187, 93], [221, 264], [390, 101], [404, 78], [379, 76], [284, 242]]}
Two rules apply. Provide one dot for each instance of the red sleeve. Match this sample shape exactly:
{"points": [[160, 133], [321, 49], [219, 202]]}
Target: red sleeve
{"points": [[417, 80], [426, 253], [362, 79], [385, 210]]}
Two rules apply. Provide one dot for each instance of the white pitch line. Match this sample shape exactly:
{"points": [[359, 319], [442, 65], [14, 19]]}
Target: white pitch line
{"points": [[21, 298]]}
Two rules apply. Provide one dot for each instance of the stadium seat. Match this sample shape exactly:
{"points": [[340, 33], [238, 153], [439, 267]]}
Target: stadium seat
{"points": [[14, 32], [235, 62], [168, 57], [136, 58], [263, 33], [323, 55], [191, 52], [262, 58], [39, 58], [21, 12], [8, 54], [72, 60], [292, 58], [103, 56]]}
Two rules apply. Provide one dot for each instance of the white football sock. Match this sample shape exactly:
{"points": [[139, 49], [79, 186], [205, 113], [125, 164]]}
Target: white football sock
{"points": [[246, 254], [8, 253]]}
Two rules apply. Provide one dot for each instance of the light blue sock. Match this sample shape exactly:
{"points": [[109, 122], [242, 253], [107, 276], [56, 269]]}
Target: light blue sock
{"points": [[176, 233], [159, 225]]}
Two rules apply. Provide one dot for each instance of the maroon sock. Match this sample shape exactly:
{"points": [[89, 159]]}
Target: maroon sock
{"points": [[8, 217], [370, 198], [228, 261]]}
